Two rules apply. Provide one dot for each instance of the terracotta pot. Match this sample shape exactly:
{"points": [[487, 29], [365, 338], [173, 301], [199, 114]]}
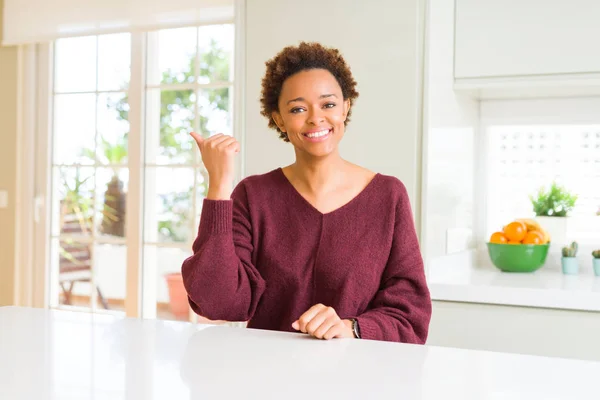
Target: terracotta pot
{"points": [[177, 296]]}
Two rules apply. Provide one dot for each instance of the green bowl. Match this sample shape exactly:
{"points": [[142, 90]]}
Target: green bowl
{"points": [[518, 257]]}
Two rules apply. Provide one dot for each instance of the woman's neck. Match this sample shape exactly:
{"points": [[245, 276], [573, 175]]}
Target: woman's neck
{"points": [[319, 175]]}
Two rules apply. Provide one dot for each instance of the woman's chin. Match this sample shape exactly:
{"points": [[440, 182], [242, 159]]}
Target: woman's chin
{"points": [[320, 151]]}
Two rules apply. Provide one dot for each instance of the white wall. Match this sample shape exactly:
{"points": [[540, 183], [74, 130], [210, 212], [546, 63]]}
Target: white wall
{"points": [[451, 127], [381, 43], [9, 78]]}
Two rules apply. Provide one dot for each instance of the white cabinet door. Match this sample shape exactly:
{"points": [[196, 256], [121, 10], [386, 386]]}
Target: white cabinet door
{"points": [[526, 37]]}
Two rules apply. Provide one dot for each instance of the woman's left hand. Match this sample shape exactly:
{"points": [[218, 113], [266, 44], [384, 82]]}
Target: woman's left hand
{"points": [[323, 322]]}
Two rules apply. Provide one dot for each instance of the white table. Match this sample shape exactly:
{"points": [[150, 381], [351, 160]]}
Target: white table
{"points": [[67, 355]]}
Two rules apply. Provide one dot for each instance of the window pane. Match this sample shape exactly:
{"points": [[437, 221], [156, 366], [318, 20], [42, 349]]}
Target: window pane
{"points": [[74, 262], [74, 128], [213, 111], [165, 264], [114, 60], [201, 191], [215, 45], [75, 64], [110, 269], [111, 194], [168, 204], [73, 265], [523, 159], [172, 60], [170, 120], [73, 195], [113, 128]]}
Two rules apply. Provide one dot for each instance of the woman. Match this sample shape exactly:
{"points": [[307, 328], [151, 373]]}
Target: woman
{"points": [[321, 246]]}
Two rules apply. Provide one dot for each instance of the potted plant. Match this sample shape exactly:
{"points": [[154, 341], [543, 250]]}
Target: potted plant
{"points": [[596, 262], [552, 207], [113, 213], [570, 266]]}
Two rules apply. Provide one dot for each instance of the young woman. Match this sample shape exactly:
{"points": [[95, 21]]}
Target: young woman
{"points": [[321, 246]]}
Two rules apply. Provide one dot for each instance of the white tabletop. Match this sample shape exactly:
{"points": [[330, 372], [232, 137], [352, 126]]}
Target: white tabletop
{"points": [[67, 355]]}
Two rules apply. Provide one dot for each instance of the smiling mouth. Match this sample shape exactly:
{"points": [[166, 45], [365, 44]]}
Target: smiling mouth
{"points": [[318, 134]]}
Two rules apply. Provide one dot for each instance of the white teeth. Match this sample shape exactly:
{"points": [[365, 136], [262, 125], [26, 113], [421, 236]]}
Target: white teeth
{"points": [[317, 134]]}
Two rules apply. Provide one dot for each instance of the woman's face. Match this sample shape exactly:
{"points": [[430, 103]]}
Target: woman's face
{"points": [[312, 112]]}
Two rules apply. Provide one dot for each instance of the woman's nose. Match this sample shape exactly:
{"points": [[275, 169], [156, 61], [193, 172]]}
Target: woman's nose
{"points": [[315, 116]]}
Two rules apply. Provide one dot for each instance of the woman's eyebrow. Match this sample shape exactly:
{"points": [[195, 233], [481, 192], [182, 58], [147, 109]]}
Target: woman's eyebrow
{"points": [[302, 98]]}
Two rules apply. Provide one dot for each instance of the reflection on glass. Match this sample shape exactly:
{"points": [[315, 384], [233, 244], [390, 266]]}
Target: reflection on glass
{"points": [[111, 193], [168, 204], [74, 192], [215, 44], [214, 111], [79, 76], [74, 128], [113, 128], [114, 60], [165, 264], [170, 120]]}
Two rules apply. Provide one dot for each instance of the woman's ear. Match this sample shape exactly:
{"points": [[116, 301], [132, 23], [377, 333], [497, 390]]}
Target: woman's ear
{"points": [[346, 108], [278, 120]]}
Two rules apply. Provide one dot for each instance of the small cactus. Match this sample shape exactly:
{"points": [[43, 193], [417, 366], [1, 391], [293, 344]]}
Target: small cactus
{"points": [[596, 253], [570, 251]]}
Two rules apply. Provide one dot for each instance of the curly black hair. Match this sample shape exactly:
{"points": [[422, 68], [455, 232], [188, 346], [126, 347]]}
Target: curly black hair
{"points": [[294, 59]]}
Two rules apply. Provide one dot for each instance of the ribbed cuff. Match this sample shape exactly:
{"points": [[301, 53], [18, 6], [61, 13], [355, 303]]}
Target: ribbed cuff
{"points": [[216, 216], [367, 328]]}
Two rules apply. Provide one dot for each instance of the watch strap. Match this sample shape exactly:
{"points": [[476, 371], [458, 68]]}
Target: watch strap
{"points": [[355, 328]]}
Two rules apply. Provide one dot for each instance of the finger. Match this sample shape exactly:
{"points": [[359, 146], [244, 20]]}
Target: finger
{"points": [[335, 331], [235, 147], [197, 138], [214, 137], [216, 140], [308, 315], [325, 326], [226, 143], [319, 319]]}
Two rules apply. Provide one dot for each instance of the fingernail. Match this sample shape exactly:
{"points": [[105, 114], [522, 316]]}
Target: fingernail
{"points": [[295, 325]]}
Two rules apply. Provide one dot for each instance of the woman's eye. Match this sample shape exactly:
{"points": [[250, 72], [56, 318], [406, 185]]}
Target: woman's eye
{"points": [[329, 105], [295, 110]]}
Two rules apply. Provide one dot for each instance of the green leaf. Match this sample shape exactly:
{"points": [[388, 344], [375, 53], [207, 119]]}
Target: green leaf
{"points": [[553, 202]]}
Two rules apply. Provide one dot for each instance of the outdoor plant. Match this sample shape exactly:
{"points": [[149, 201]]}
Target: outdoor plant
{"points": [[113, 213]]}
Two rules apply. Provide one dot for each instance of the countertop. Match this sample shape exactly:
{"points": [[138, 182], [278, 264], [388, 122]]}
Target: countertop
{"points": [[51, 354], [545, 288]]}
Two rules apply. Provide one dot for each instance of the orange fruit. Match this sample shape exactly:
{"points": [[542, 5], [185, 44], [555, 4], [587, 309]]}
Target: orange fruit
{"points": [[534, 237], [498, 237], [514, 242], [515, 231]]}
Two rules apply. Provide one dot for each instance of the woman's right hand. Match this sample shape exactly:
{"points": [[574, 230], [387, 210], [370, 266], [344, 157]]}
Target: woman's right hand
{"points": [[218, 154]]}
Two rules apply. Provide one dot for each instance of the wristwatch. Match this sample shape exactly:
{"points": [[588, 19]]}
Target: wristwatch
{"points": [[355, 328]]}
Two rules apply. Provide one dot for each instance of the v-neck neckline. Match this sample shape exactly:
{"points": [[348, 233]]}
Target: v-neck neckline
{"points": [[315, 209]]}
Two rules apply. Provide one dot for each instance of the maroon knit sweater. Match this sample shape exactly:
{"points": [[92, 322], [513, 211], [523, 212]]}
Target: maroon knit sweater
{"points": [[267, 255]]}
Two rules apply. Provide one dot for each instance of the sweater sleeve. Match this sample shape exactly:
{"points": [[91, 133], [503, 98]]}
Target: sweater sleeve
{"points": [[401, 309], [220, 280]]}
